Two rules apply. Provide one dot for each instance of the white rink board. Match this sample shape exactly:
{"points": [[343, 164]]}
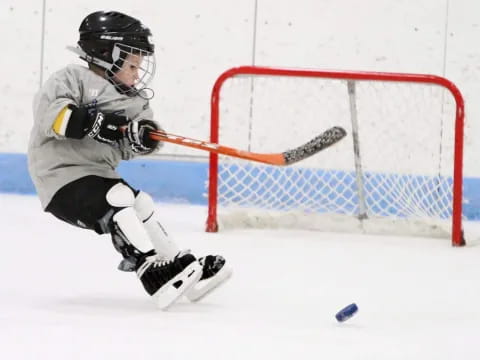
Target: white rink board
{"points": [[21, 25], [197, 41]]}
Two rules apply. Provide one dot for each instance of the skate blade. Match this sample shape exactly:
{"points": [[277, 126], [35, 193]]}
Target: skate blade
{"points": [[171, 291], [204, 287]]}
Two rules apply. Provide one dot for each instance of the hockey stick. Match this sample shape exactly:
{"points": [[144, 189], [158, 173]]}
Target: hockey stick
{"points": [[317, 144]]}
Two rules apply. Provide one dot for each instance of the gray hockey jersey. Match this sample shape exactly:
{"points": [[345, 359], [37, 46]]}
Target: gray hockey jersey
{"points": [[54, 160]]}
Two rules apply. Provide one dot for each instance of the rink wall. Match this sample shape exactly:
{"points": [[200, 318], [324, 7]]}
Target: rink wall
{"points": [[196, 41], [170, 181], [174, 181]]}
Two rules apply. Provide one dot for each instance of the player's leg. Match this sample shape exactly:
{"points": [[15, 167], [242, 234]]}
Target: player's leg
{"points": [[162, 242], [106, 205], [166, 279], [215, 272]]}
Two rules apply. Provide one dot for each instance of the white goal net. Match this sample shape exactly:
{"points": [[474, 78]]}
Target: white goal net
{"points": [[393, 173]]}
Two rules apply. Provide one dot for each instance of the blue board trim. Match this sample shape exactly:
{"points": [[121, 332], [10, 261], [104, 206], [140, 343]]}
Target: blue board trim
{"points": [[172, 181]]}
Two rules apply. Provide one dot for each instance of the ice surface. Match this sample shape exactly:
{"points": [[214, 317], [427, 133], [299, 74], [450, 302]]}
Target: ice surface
{"points": [[61, 296]]}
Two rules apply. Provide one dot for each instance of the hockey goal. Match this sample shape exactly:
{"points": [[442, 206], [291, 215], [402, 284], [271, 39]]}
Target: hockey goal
{"points": [[398, 171]]}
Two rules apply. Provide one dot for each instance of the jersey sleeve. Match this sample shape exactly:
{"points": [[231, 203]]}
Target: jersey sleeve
{"points": [[50, 108]]}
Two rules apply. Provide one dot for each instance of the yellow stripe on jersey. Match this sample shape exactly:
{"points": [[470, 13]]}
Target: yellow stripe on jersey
{"points": [[61, 121]]}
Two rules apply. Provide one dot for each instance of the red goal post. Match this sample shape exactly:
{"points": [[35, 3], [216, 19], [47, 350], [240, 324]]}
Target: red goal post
{"points": [[351, 79]]}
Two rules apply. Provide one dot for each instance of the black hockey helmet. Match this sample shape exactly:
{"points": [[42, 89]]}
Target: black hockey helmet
{"points": [[107, 38], [101, 30]]}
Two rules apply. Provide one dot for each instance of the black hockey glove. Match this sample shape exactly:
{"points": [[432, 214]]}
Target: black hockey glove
{"points": [[138, 136], [86, 120], [105, 127]]}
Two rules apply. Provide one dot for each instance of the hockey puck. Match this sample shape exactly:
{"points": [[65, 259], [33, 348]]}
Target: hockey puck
{"points": [[347, 312]]}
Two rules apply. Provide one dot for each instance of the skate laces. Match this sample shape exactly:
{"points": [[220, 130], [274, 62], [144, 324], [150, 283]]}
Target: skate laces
{"points": [[153, 261], [183, 252]]}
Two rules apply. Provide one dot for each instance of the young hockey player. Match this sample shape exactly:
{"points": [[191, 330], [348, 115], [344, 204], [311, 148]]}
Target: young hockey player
{"points": [[86, 120]]}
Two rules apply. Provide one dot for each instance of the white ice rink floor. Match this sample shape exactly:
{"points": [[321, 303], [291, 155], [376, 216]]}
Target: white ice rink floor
{"points": [[61, 296]]}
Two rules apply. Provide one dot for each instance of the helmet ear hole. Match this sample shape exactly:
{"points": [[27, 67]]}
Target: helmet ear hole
{"points": [[116, 54]]}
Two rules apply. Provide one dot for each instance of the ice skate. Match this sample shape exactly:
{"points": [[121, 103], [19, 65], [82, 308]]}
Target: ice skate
{"points": [[214, 273], [167, 280]]}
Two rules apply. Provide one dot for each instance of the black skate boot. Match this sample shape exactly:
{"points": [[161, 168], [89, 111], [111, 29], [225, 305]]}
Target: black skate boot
{"points": [[214, 274], [167, 280]]}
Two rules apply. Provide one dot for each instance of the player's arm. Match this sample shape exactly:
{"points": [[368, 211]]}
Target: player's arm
{"points": [[77, 122]]}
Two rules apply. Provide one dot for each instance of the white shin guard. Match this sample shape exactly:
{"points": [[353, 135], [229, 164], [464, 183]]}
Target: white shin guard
{"points": [[163, 244], [126, 219]]}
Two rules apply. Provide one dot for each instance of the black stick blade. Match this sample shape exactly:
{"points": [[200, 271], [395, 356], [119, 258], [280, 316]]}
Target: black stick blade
{"points": [[320, 142]]}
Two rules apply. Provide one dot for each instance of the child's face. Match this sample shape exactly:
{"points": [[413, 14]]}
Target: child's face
{"points": [[128, 73]]}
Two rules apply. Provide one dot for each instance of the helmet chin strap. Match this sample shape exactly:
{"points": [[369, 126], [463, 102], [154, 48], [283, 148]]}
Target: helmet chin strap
{"points": [[146, 93], [122, 88]]}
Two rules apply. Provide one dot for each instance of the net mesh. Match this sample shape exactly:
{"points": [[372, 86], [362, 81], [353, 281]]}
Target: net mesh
{"points": [[393, 172]]}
